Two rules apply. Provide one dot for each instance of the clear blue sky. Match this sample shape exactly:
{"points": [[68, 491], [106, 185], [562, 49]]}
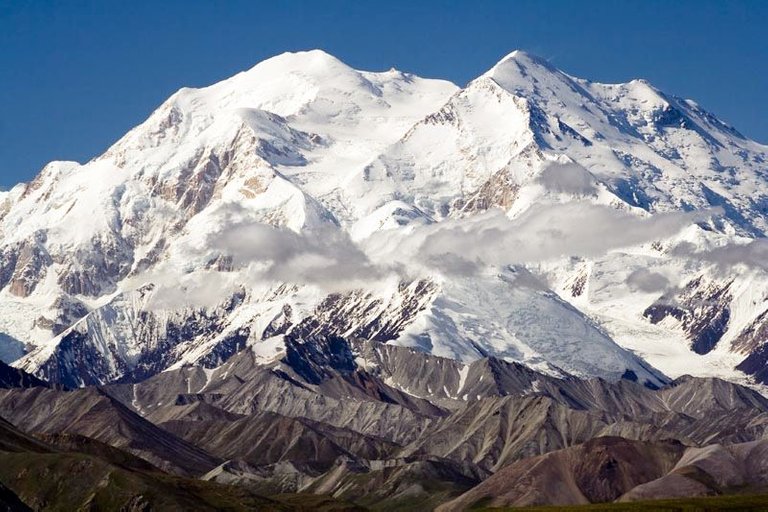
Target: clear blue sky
{"points": [[76, 75]]}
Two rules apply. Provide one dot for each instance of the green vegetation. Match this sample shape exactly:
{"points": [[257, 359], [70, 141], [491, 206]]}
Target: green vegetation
{"points": [[69, 482], [740, 503]]}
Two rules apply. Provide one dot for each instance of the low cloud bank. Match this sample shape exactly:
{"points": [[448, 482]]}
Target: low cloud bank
{"points": [[644, 280], [327, 258], [542, 233], [567, 178], [753, 254]]}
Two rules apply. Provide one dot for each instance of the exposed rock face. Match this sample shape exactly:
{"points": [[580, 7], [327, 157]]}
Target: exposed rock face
{"points": [[755, 363], [358, 314], [25, 266], [11, 377], [753, 340], [753, 337], [95, 270], [67, 312], [500, 191], [703, 308], [599, 470], [128, 339]]}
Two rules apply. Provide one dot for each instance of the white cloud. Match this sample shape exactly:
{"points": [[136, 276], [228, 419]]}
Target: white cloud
{"points": [[753, 254], [542, 233], [328, 259], [200, 289], [644, 280], [324, 256], [568, 178]]}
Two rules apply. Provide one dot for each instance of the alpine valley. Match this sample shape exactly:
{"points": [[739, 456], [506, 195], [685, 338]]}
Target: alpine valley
{"points": [[308, 287]]}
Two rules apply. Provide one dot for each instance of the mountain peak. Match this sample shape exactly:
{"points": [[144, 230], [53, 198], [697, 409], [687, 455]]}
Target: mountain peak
{"points": [[518, 72], [282, 84], [524, 59], [302, 142], [308, 61], [315, 55]]}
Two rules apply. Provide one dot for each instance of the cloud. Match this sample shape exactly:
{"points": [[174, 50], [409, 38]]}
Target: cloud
{"points": [[200, 289], [327, 258], [753, 254], [324, 256], [567, 178], [258, 255], [543, 233], [644, 280]]}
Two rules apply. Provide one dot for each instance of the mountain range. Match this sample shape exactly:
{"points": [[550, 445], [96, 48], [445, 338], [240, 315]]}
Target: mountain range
{"points": [[310, 280], [344, 425]]}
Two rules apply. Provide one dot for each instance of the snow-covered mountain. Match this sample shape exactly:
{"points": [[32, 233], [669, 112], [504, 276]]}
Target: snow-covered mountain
{"points": [[583, 228]]}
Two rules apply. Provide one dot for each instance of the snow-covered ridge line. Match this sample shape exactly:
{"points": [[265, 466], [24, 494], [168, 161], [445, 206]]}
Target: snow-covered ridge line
{"points": [[597, 229]]}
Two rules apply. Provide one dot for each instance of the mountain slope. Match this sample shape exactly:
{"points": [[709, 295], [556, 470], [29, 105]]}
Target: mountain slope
{"points": [[611, 468], [75, 473], [382, 426], [93, 414], [11, 377], [530, 215], [600, 470]]}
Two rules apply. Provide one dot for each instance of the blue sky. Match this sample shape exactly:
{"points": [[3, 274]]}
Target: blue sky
{"points": [[75, 76]]}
